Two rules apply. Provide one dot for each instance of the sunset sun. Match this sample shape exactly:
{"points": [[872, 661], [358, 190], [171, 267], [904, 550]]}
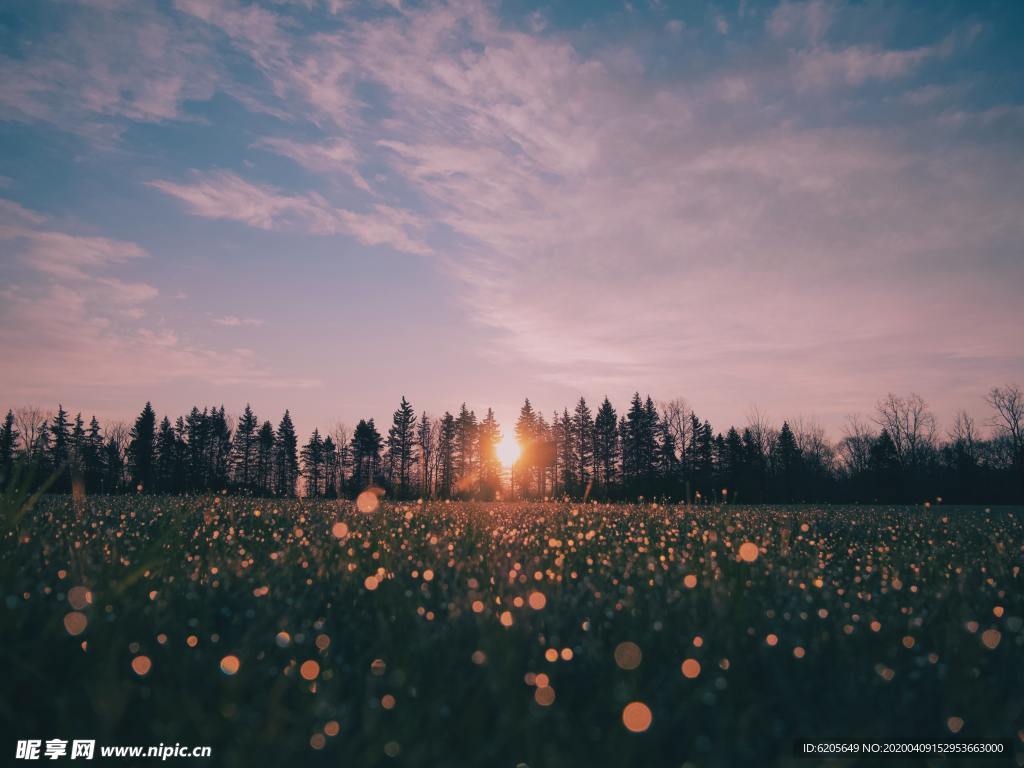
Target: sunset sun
{"points": [[508, 451]]}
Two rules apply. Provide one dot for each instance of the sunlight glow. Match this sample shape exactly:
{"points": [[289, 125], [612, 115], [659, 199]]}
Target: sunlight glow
{"points": [[508, 451]]}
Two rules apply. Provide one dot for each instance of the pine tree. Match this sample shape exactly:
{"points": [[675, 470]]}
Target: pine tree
{"points": [[446, 455], [526, 436], [286, 459], [266, 440], [366, 446], [93, 458], [244, 449], [606, 446], [465, 450], [166, 456], [583, 445], [142, 450], [313, 464], [425, 446], [8, 440], [331, 468], [787, 463], [402, 447], [490, 465]]}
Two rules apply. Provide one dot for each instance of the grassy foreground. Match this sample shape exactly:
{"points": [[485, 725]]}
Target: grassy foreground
{"points": [[462, 634]]}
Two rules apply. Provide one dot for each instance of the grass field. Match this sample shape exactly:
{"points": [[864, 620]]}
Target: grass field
{"points": [[461, 634]]}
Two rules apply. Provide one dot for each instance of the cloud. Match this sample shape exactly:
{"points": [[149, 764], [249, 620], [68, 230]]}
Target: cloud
{"points": [[234, 321], [855, 65], [90, 325], [226, 196], [101, 64], [605, 231], [337, 154]]}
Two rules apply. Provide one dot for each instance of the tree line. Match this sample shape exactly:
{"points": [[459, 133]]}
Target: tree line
{"points": [[651, 451]]}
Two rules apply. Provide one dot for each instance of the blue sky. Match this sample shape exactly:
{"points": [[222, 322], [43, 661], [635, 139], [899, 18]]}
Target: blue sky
{"points": [[325, 205]]}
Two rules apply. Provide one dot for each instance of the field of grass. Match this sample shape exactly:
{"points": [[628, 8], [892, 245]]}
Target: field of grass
{"points": [[462, 634]]}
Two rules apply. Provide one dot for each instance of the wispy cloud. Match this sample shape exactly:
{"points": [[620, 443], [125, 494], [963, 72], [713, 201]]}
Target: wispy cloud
{"points": [[234, 321], [225, 195]]}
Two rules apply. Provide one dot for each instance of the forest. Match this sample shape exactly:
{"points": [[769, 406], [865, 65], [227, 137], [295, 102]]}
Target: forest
{"points": [[651, 451]]}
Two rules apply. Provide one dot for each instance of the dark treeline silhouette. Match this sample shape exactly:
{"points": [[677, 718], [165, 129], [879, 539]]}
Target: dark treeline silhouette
{"points": [[651, 451]]}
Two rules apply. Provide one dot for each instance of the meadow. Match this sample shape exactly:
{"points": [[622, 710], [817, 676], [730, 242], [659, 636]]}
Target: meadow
{"points": [[465, 634]]}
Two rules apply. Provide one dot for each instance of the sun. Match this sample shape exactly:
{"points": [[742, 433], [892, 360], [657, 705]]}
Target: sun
{"points": [[508, 451]]}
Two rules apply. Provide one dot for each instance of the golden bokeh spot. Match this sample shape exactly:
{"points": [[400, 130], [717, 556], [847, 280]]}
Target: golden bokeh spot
{"points": [[339, 530], [80, 597], [691, 669], [990, 638], [388, 701], [537, 600], [229, 665], [637, 717], [333, 728], [748, 552], [955, 724], [141, 665], [367, 502], [544, 695], [628, 655], [309, 670], [75, 623]]}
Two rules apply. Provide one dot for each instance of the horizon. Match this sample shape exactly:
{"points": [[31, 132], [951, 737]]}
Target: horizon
{"points": [[791, 207]]}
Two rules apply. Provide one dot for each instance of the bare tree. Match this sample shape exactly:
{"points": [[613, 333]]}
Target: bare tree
{"points": [[342, 439], [910, 424], [763, 434], [1008, 421], [675, 415], [964, 435], [30, 420], [855, 447], [813, 442]]}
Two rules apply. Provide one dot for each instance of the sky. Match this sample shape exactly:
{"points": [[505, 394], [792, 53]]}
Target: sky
{"points": [[324, 205]]}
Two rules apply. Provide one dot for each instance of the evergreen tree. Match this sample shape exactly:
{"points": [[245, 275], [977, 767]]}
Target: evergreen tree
{"points": [[93, 458], [366, 446], [606, 446], [286, 459], [402, 448], [313, 464], [142, 450], [885, 467], [331, 468], [787, 464], [425, 446], [266, 440], [446, 455], [489, 435], [8, 441], [466, 450], [583, 445], [244, 449], [166, 457]]}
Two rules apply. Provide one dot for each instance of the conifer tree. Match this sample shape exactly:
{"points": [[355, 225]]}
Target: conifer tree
{"points": [[9, 435], [401, 444], [142, 450], [286, 459], [606, 446], [312, 464], [244, 448], [446, 455]]}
